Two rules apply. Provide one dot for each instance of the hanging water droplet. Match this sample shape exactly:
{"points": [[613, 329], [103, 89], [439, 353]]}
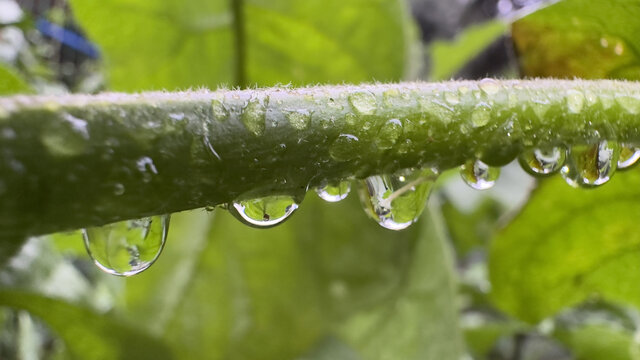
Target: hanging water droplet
{"points": [[479, 175], [300, 119], [334, 192], [396, 201], [264, 212], [254, 116], [389, 134], [489, 86], [344, 148], [542, 161], [220, 111], [591, 165], [364, 103], [629, 155], [127, 247]]}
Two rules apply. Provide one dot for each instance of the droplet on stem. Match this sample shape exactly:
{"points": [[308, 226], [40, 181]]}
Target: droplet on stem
{"points": [[479, 175], [543, 161], [264, 212], [334, 192], [127, 247], [591, 165], [629, 156]]}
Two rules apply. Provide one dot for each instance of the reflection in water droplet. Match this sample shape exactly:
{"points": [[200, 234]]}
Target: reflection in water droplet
{"points": [[479, 175], [542, 161], [299, 119], [396, 201], [254, 116], [364, 103], [389, 134], [220, 111], [344, 147], [127, 247], [334, 192], [264, 212], [591, 165], [629, 155]]}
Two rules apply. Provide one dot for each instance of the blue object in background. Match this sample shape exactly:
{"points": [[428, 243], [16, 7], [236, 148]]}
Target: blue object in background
{"points": [[67, 37]]}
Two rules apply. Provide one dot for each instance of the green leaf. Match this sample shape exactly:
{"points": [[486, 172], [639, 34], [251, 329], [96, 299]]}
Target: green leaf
{"points": [[581, 38], [450, 56], [11, 82], [181, 44], [88, 335], [567, 245], [597, 342], [324, 283]]}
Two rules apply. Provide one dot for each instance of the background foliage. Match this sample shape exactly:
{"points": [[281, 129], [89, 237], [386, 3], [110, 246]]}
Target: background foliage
{"points": [[479, 276]]}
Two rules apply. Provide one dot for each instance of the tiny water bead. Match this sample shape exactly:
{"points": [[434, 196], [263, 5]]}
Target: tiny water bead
{"points": [[479, 175], [629, 155], [299, 119], [127, 247], [264, 212], [591, 165], [334, 192], [254, 116], [542, 162], [481, 115], [388, 134], [363, 103], [489, 86], [220, 111], [396, 201], [344, 148]]}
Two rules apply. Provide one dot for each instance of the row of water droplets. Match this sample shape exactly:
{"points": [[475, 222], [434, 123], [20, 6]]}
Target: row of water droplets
{"points": [[394, 201]]}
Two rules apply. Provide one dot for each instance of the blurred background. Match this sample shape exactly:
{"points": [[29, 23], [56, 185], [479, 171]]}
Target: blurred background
{"points": [[330, 283]]}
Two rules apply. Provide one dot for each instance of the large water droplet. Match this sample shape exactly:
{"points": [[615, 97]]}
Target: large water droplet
{"points": [[629, 155], [543, 161], [344, 147], [591, 165], [396, 201], [254, 116], [388, 134], [479, 175], [127, 247], [264, 212], [334, 192], [364, 103]]}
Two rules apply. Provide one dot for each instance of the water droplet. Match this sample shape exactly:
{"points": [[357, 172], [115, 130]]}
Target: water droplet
{"points": [[127, 247], [629, 104], [629, 155], [591, 165], [344, 148], [300, 119], [264, 212], [254, 116], [543, 161], [540, 107], [220, 111], [396, 201], [451, 98], [118, 189], [575, 101], [334, 192], [479, 175], [481, 115], [489, 86], [364, 103], [147, 168], [389, 134], [66, 138]]}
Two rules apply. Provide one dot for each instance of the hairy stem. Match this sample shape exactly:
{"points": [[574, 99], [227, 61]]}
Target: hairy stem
{"points": [[82, 160]]}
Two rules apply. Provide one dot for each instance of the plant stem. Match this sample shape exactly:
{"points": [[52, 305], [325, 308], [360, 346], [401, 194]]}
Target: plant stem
{"points": [[82, 160]]}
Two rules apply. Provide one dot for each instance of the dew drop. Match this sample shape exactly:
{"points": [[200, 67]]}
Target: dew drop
{"points": [[489, 86], [264, 212], [388, 134], [451, 98], [300, 119], [629, 155], [396, 201], [118, 189], [220, 111], [575, 101], [127, 247], [629, 104], [364, 103], [254, 116], [344, 148], [481, 115], [591, 165], [540, 162], [479, 175], [334, 192]]}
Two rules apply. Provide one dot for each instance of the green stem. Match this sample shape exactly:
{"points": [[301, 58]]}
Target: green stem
{"points": [[81, 160]]}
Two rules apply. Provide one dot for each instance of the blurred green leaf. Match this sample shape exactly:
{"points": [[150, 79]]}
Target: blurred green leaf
{"points": [[581, 38], [88, 335], [450, 56], [181, 44], [324, 283], [567, 245], [597, 342], [11, 82]]}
